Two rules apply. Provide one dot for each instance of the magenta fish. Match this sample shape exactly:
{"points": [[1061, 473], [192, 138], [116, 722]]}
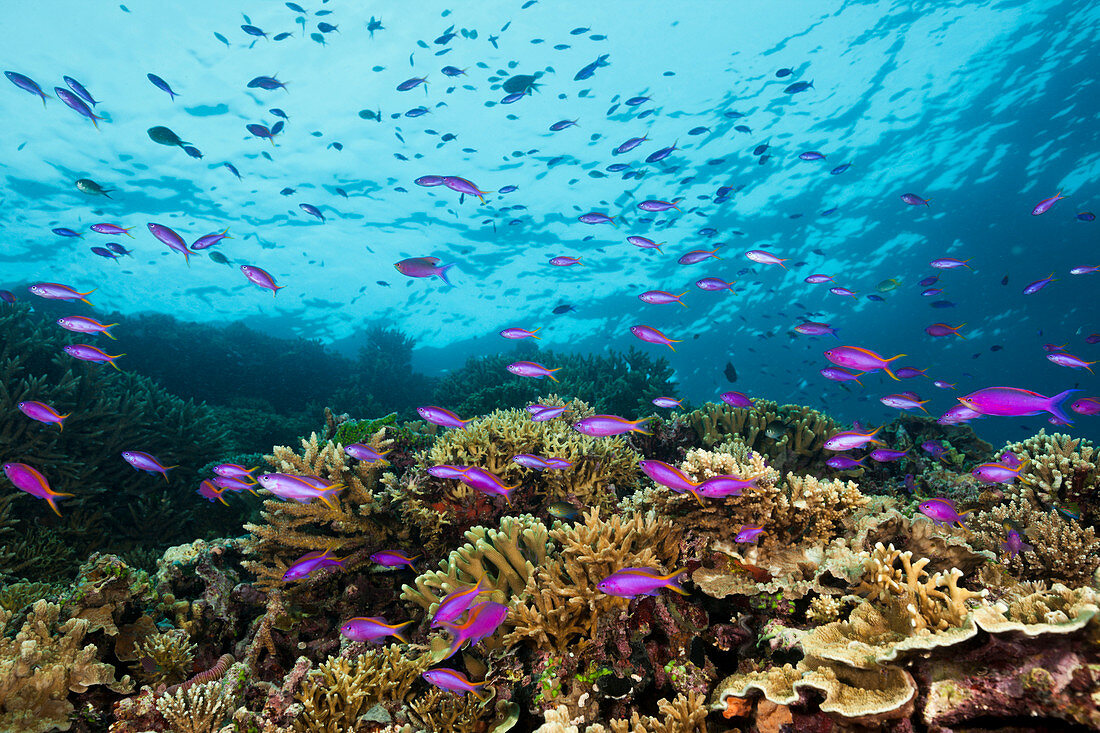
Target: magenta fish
{"points": [[903, 401], [430, 181], [736, 399], [851, 439], [455, 603], [168, 236], [958, 415], [864, 360], [208, 490], [1015, 402], [914, 200], [393, 559], [1071, 361], [565, 261], [441, 416], [235, 470], [454, 681], [1044, 206], [372, 629], [1014, 543], [27, 478], [661, 297], [519, 333], [42, 412], [306, 564], [840, 375], [818, 278], [653, 336], [228, 483], [602, 426], [448, 471], [670, 403], [645, 243], [886, 455], [812, 328], [667, 475], [112, 229], [302, 489], [1087, 406], [594, 217], [1038, 285], [56, 291], [748, 533], [464, 187], [209, 240], [698, 255], [84, 352], [997, 473], [718, 487], [844, 463], [714, 284], [911, 372], [487, 483], [838, 290], [548, 412], [484, 619], [261, 277], [631, 582], [424, 267], [365, 453], [145, 462], [532, 369], [655, 205], [764, 257], [941, 511], [528, 460], [950, 263]]}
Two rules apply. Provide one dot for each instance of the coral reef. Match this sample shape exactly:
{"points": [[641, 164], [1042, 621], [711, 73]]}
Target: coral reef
{"points": [[41, 665], [200, 708], [1062, 470]]}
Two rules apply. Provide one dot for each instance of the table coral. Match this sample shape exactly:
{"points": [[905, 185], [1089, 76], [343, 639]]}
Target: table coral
{"points": [[353, 528], [41, 665]]}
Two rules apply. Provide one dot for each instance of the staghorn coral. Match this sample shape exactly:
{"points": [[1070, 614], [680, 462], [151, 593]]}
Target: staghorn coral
{"points": [[505, 557], [16, 596], [561, 602], [340, 690], [801, 431], [1062, 470], [1062, 549], [41, 665], [201, 708], [164, 658], [353, 528], [445, 712]]}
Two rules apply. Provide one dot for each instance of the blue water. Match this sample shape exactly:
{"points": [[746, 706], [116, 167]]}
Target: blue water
{"points": [[984, 108]]}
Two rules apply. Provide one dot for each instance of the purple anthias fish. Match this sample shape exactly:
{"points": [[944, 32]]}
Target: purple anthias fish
{"points": [[840, 375], [593, 217], [887, 455], [1015, 402], [1084, 270], [261, 277], [528, 460], [85, 352], [229, 483], [653, 336], [864, 360], [145, 462], [312, 211], [1014, 543], [602, 426], [631, 582], [661, 297], [7, 296], [532, 369], [487, 483], [209, 240], [837, 290], [210, 491], [748, 533], [455, 603], [698, 255], [168, 236], [718, 487], [441, 416], [27, 478], [111, 229], [661, 154], [306, 564], [851, 439], [424, 267], [668, 476], [26, 84], [57, 291], [997, 473], [430, 181], [949, 263], [656, 205], [736, 399], [262, 132], [548, 412], [904, 401], [1071, 361], [714, 284], [914, 200], [942, 511], [958, 415], [393, 559], [519, 333], [910, 372], [83, 324], [484, 619], [764, 257], [372, 629], [1087, 406], [302, 489], [235, 470], [942, 329], [629, 145], [413, 83], [448, 471], [812, 328], [43, 413], [454, 681], [844, 463], [667, 402], [565, 261], [943, 385], [818, 278], [365, 453], [463, 186], [644, 243], [1038, 285], [1044, 206], [811, 155]]}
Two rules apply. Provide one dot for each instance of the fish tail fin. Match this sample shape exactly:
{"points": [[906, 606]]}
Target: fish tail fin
{"points": [[442, 272], [1054, 405], [108, 333], [475, 690], [275, 290], [550, 374], [53, 498], [782, 261], [672, 578], [111, 361]]}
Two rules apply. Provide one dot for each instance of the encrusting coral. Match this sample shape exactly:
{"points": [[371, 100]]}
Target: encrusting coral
{"points": [[561, 601], [41, 665], [355, 526]]}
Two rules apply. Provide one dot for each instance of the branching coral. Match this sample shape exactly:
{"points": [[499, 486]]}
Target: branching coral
{"points": [[201, 708], [354, 527], [685, 714], [165, 658], [561, 601], [505, 558], [799, 432], [337, 693], [41, 665], [1061, 470]]}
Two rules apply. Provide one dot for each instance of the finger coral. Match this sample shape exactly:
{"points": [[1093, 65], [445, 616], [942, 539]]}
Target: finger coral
{"points": [[201, 708], [41, 665], [354, 527]]}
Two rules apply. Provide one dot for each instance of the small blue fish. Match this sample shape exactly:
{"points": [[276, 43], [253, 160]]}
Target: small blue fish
{"points": [[590, 69], [162, 85]]}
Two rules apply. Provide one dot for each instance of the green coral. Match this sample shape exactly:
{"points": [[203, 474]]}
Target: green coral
{"points": [[356, 431]]}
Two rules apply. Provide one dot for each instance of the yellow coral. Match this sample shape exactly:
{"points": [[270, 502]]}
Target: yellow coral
{"points": [[200, 708]]}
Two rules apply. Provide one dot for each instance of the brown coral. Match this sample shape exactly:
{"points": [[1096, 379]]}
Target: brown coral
{"points": [[201, 708], [165, 658]]}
